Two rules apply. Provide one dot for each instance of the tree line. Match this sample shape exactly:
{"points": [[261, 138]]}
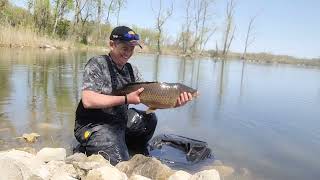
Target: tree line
{"points": [[88, 22]]}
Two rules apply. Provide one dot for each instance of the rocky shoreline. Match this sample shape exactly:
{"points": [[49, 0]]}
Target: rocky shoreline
{"points": [[54, 164]]}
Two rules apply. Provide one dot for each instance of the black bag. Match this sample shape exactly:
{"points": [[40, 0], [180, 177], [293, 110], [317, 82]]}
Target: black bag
{"points": [[178, 151]]}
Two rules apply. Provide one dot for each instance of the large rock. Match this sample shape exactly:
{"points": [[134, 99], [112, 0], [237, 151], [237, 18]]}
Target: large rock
{"points": [[106, 173], [63, 176], [145, 166], [206, 175], [16, 164], [138, 177], [180, 175], [224, 171], [28, 150], [91, 162], [84, 164], [77, 157], [59, 169], [50, 154], [65, 172]]}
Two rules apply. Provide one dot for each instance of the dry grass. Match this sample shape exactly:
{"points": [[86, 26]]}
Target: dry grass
{"points": [[25, 37]]}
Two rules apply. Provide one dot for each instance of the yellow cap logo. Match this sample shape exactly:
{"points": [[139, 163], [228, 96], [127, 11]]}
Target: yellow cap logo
{"points": [[131, 32], [86, 134]]}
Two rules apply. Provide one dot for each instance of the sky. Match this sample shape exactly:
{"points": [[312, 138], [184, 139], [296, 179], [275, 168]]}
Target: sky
{"points": [[282, 27]]}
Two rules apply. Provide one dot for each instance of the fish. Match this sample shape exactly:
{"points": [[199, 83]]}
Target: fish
{"points": [[157, 95]]}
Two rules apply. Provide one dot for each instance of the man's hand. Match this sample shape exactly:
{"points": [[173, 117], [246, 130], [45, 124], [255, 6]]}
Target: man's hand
{"points": [[183, 99], [133, 97]]}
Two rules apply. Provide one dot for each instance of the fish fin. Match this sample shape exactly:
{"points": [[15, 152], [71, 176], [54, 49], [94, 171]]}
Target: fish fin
{"points": [[150, 110]]}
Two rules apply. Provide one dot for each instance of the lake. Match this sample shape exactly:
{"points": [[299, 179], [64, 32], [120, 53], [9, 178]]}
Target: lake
{"points": [[260, 119]]}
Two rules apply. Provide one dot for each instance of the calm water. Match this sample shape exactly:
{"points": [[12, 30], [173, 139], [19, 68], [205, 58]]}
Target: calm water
{"points": [[261, 119]]}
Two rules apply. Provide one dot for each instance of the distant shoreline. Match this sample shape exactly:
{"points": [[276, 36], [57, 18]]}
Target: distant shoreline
{"points": [[258, 58]]}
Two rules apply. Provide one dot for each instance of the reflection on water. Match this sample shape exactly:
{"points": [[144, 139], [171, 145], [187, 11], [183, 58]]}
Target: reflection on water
{"points": [[263, 118]]}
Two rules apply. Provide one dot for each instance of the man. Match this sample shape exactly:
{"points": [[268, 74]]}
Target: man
{"points": [[101, 118]]}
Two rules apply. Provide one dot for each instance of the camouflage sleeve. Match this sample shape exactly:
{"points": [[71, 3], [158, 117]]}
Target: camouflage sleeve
{"points": [[92, 76], [137, 74]]}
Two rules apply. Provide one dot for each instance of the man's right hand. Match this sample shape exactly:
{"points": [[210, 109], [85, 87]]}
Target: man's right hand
{"points": [[133, 97]]}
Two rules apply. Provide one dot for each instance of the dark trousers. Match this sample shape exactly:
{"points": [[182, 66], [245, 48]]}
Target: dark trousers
{"points": [[115, 142]]}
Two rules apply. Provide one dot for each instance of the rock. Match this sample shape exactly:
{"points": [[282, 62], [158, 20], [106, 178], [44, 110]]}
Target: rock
{"points": [[9, 169], [91, 162], [224, 171], [66, 171], [106, 173], [50, 154], [145, 166], [47, 46], [53, 166], [98, 158], [16, 164], [138, 177], [30, 138], [62, 176], [206, 175], [28, 150], [77, 157], [180, 175]]}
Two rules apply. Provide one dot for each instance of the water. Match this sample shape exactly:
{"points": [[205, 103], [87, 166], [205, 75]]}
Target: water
{"points": [[263, 119]]}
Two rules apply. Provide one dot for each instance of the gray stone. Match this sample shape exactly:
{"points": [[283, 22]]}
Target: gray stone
{"points": [[206, 175], [67, 171], [16, 164], [28, 150], [180, 175], [77, 157], [224, 171], [50, 154], [91, 162], [138, 177], [106, 173], [145, 166], [63, 176], [53, 166]]}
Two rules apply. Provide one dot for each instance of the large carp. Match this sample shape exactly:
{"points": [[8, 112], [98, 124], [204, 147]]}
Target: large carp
{"points": [[157, 95]]}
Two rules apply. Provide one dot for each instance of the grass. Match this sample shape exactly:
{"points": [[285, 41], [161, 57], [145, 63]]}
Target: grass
{"points": [[25, 37]]}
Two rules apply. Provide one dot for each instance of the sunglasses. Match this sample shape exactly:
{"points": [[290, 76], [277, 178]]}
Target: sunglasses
{"points": [[129, 37]]}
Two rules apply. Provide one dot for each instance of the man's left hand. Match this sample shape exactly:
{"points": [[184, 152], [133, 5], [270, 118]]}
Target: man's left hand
{"points": [[183, 99]]}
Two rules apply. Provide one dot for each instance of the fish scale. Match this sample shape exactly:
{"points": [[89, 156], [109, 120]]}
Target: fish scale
{"points": [[157, 95]]}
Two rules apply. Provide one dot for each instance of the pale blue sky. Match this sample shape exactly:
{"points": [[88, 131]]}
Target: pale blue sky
{"points": [[287, 27]]}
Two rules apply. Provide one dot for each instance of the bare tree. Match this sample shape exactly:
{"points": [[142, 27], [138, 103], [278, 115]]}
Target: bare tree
{"points": [[205, 32], [41, 14], [162, 17], [249, 38], [84, 9], [110, 9], [61, 7], [30, 4], [185, 34], [120, 4], [230, 29], [99, 14], [196, 38], [198, 5]]}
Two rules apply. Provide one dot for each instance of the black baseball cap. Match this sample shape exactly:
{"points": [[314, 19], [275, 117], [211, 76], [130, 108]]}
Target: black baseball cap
{"points": [[125, 34]]}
